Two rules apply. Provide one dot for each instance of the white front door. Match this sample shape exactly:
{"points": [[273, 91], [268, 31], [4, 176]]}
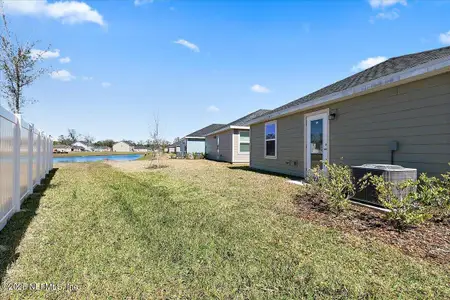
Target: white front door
{"points": [[316, 139]]}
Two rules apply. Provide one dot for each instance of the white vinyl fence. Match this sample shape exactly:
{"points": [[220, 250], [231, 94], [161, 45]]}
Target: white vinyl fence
{"points": [[25, 158]]}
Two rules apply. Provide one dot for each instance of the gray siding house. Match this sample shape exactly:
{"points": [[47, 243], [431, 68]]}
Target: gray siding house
{"points": [[231, 142], [404, 100], [195, 142]]}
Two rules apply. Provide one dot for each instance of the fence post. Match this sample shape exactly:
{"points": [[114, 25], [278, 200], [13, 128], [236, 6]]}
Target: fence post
{"points": [[30, 158], [44, 159], [50, 162], [38, 158], [16, 163], [46, 155]]}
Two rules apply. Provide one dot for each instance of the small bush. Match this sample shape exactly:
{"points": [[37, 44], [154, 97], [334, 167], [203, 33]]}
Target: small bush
{"points": [[334, 184], [198, 155], [434, 194], [402, 200]]}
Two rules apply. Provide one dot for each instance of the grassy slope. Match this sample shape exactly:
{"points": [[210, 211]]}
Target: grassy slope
{"points": [[156, 234], [92, 153]]}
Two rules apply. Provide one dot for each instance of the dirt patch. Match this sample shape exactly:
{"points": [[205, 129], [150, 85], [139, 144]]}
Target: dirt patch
{"points": [[430, 241], [173, 165]]}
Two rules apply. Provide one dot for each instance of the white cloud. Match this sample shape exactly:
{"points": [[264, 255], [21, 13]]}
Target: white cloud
{"points": [[62, 75], [187, 44], [212, 108], [142, 2], [444, 38], [64, 60], [386, 3], [259, 89], [86, 78], [36, 53], [68, 12], [368, 63], [389, 15], [106, 84]]}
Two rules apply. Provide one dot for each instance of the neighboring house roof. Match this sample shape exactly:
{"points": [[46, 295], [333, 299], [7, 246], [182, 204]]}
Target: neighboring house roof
{"points": [[394, 70], [204, 131], [242, 123], [141, 147], [81, 145], [177, 144]]}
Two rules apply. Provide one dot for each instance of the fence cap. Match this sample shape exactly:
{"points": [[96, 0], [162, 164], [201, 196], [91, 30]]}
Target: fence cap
{"points": [[7, 114], [384, 167]]}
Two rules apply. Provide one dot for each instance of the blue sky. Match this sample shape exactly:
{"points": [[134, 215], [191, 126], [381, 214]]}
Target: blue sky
{"points": [[200, 62]]}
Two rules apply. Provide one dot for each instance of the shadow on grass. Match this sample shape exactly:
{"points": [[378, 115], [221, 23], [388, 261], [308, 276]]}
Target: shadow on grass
{"points": [[12, 234], [247, 168]]}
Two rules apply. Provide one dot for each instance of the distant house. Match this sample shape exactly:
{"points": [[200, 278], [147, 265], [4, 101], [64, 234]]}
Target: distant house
{"points": [[195, 142], [171, 148], [231, 142], [80, 146], [77, 149], [141, 149], [59, 148], [101, 149], [122, 147], [174, 148]]}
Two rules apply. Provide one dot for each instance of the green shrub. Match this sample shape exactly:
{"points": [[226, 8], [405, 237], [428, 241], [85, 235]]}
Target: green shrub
{"points": [[402, 199], [434, 194], [334, 184], [198, 155]]}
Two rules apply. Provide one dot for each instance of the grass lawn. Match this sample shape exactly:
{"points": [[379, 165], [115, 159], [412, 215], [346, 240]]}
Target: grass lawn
{"points": [[92, 153], [195, 229]]}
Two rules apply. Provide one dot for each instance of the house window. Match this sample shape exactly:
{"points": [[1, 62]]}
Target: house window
{"points": [[270, 138], [244, 141]]}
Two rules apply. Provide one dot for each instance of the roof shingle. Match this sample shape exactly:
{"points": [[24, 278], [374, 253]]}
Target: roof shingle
{"points": [[204, 131], [244, 120]]}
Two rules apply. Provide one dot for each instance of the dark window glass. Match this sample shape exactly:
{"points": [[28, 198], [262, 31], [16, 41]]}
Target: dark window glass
{"points": [[270, 148], [316, 142]]}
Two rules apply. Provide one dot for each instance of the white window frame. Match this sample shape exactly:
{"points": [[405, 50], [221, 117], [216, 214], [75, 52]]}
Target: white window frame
{"points": [[239, 143], [266, 140]]}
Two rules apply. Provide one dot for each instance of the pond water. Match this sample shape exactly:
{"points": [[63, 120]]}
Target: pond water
{"points": [[75, 159]]}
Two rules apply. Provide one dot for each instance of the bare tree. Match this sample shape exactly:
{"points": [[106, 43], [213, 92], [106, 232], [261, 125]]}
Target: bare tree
{"points": [[19, 67], [155, 140], [89, 139], [72, 135]]}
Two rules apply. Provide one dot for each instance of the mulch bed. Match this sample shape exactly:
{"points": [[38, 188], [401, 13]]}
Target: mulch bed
{"points": [[429, 241]]}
